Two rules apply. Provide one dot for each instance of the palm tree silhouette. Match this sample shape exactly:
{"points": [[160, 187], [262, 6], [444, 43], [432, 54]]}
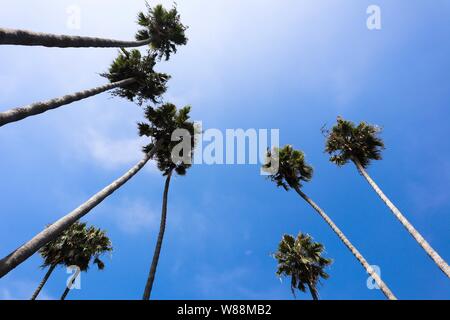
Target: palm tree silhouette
{"points": [[162, 31], [293, 170], [163, 121], [301, 259], [361, 144], [131, 75], [76, 246]]}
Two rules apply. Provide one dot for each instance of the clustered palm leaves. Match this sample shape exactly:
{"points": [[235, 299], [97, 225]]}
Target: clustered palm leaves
{"points": [[164, 28], [132, 76], [77, 246], [302, 259], [148, 85]]}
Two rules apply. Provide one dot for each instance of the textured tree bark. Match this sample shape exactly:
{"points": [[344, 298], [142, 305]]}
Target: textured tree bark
{"points": [[21, 113], [384, 288], [43, 282], [53, 231], [29, 38], [162, 228], [313, 292], [408, 226]]}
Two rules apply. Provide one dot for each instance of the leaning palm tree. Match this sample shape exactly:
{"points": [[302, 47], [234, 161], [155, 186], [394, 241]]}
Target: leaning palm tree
{"points": [[162, 31], [75, 246], [301, 259], [292, 171], [163, 122], [50, 233], [361, 144], [131, 75]]}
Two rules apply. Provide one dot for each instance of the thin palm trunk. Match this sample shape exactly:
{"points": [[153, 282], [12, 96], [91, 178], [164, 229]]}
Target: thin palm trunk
{"points": [[69, 286], [384, 288], [65, 293], [29, 38], [412, 231], [313, 291], [53, 231], [21, 113], [162, 228], [43, 282]]}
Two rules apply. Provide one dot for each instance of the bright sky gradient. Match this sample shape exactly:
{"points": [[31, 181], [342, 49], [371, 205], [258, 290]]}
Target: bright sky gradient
{"points": [[291, 65]]}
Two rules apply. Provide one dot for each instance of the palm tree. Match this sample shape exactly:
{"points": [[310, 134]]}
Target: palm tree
{"points": [[162, 30], [163, 121], [301, 259], [81, 246], [292, 171], [50, 233], [361, 144], [73, 247], [131, 75]]}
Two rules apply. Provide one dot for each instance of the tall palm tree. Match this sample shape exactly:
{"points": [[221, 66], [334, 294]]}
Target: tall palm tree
{"points": [[131, 75], [162, 30], [361, 144], [292, 171], [163, 121], [74, 246], [301, 259], [50, 233]]}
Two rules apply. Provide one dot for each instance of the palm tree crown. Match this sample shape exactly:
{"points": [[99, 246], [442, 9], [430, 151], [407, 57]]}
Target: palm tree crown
{"points": [[301, 259], [163, 121], [346, 142], [148, 84], [293, 168], [77, 246], [163, 28]]}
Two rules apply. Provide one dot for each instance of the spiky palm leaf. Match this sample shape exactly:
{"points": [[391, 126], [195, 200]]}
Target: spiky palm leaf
{"points": [[148, 84], [163, 28], [162, 122], [346, 141], [301, 259], [293, 168]]}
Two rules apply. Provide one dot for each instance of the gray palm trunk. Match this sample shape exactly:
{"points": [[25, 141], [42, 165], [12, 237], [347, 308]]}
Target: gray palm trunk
{"points": [[21, 113], [30, 38], [383, 287], [412, 231], [53, 231], [43, 282], [162, 228]]}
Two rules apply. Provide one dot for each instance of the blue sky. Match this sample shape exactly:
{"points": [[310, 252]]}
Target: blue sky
{"points": [[289, 65]]}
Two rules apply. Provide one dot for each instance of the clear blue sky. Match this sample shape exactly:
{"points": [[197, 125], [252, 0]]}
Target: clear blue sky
{"points": [[291, 65]]}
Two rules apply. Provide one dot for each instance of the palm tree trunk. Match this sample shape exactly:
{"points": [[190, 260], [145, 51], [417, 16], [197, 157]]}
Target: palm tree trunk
{"points": [[412, 231], [43, 282], [162, 228], [384, 288], [29, 38], [68, 287], [17, 114], [313, 291], [53, 231], [65, 293]]}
